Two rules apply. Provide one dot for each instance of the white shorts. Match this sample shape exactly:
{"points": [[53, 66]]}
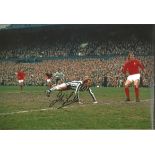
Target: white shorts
{"points": [[61, 86], [20, 81], [133, 77], [48, 80]]}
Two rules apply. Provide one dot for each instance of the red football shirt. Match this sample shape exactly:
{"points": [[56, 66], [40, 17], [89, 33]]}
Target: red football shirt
{"points": [[20, 75], [48, 76], [132, 66]]}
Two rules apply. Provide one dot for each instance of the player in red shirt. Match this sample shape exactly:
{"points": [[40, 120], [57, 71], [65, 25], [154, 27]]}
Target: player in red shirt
{"points": [[132, 66], [21, 77], [48, 80]]}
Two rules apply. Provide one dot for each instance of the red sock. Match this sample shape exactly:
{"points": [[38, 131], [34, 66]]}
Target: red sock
{"points": [[137, 91], [127, 91]]}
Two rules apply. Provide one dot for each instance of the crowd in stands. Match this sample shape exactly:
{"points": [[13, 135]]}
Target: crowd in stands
{"points": [[75, 48], [94, 53], [75, 69]]}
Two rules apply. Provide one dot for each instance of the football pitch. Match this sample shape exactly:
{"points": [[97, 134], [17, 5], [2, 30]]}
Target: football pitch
{"points": [[29, 110]]}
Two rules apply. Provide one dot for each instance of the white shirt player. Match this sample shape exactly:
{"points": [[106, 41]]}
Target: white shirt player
{"points": [[74, 85], [59, 75]]}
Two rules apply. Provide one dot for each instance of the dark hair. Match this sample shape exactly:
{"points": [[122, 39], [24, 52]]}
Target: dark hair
{"points": [[48, 74]]}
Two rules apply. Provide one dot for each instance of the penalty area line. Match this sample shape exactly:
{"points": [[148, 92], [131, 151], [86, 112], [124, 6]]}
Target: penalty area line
{"points": [[26, 111], [140, 101], [52, 108]]}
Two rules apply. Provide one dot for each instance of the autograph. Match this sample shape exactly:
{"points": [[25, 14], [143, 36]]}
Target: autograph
{"points": [[64, 99]]}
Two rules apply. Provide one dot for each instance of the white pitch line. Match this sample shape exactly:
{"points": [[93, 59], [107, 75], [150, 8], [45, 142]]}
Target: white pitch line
{"points": [[26, 92], [25, 111], [52, 108], [136, 102]]}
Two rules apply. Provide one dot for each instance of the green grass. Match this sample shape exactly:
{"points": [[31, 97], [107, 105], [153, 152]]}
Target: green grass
{"points": [[111, 112]]}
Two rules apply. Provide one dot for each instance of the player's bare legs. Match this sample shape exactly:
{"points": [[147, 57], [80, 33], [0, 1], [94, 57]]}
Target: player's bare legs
{"points": [[126, 85], [49, 84], [136, 87], [62, 86], [21, 84], [21, 87]]}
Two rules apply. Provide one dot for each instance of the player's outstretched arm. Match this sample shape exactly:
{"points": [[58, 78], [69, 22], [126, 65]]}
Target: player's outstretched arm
{"points": [[92, 95], [77, 92], [77, 88]]}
